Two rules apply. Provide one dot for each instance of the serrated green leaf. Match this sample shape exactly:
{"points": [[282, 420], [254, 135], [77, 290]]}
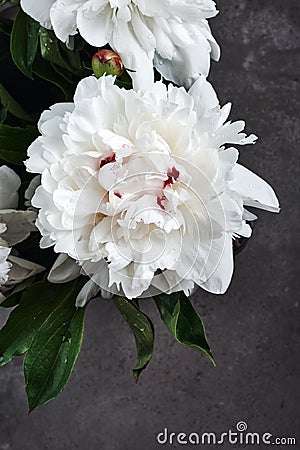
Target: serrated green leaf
{"points": [[53, 353], [142, 329], [37, 304], [24, 42], [183, 322], [12, 106], [14, 142]]}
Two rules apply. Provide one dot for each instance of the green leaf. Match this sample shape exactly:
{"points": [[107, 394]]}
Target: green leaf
{"points": [[50, 49], [124, 81], [44, 69], [142, 329], [12, 106], [53, 352], [38, 302], [14, 142], [3, 114], [183, 322], [24, 42], [54, 51]]}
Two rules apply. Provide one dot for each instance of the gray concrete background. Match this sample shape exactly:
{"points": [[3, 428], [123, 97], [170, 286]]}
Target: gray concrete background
{"points": [[253, 329]]}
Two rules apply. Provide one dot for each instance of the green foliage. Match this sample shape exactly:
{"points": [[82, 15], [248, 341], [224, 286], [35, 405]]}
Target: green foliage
{"points": [[183, 322], [142, 329], [53, 352], [49, 327], [13, 107], [44, 69], [3, 114], [14, 142], [24, 42], [54, 51]]}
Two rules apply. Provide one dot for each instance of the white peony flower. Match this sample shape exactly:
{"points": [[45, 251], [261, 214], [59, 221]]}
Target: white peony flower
{"points": [[15, 227], [139, 188], [172, 35]]}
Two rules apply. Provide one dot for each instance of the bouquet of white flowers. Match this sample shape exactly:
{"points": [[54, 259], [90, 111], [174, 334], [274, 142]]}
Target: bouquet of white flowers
{"points": [[129, 186]]}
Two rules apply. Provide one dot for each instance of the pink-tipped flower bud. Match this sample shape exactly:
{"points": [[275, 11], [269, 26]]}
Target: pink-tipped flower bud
{"points": [[107, 61]]}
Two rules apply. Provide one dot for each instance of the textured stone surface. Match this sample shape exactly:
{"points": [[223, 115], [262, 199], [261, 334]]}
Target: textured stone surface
{"points": [[253, 329]]}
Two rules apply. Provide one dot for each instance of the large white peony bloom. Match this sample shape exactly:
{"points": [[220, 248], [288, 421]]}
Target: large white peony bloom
{"points": [[140, 189], [174, 35], [15, 226]]}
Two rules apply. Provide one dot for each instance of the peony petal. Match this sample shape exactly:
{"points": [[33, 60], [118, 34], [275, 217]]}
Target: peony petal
{"points": [[5, 265], [63, 270], [39, 10], [21, 270], [95, 30], [137, 59], [19, 225], [204, 95], [64, 25], [98, 282], [219, 271], [9, 185], [254, 190]]}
